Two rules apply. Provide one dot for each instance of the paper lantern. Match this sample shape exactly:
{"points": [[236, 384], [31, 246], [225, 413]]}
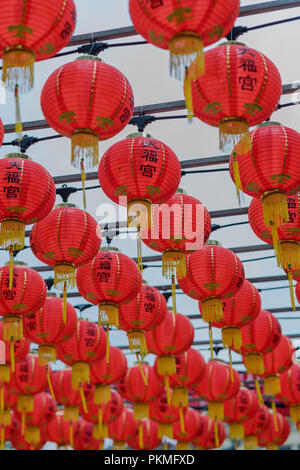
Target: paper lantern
{"points": [[165, 415], [255, 426], [58, 430], [9, 427], [83, 437], [14, 351], [191, 428], [238, 410], [275, 435], [276, 362], [147, 437], [122, 429], [18, 441], [290, 390], [211, 434]]}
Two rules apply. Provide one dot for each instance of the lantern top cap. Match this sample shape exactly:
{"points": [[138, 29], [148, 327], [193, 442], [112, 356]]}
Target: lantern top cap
{"points": [[89, 57], [213, 242], [269, 123], [110, 248], [232, 43], [65, 204], [180, 191], [18, 263], [139, 134], [17, 155]]}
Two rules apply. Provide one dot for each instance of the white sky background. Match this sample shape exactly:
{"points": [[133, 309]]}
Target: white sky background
{"points": [[146, 68]]}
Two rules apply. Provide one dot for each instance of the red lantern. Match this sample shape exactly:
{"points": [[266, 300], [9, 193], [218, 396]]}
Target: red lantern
{"points": [[27, 294], [83, 437], [8, 401], [44, 409], [183, 29], [211, 434], [290, 390], [173, 336], [213, 273], [255, 426], [275, 435], [31, 32], [9, 427], [28, 196], [222, 96], [145, 312], [258, 338], [189, 431], [109, 280], [165, 415], [101, 415], [190, 368], [122, 429], [18, 441], [46, 327], [238, 410], [147, 438], [276, 362], [140, 388], [85, 347], [103, 374], [127, 166], [58, 430], [285, 237], [14, 352], [87, 100], [67, 238], [217, 386], [238, 311]]}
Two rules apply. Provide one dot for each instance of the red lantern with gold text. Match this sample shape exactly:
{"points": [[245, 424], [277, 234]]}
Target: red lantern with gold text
{"points": [[109, 280], [122, 429], [290, 391], [18, 440], [210, 436], [44, 409], [179, 226], [173, 336], [58, 430], [238, 311], [29, 379], [103, 374], [67, 238], [8, 401], [28, 196], [46, 327], [183, 28], [85, 347], [137, 172], [27, 294], [9, 427], [147, 437], [14, 352], [226, 97], [190, 431], [101, 415], [285, 238], [269, 172], [145, 312], [213, 273], [217, 386], [83, 437], [258, 338], [87, 101], [238, 410], [276, 362], [255, 426], [275, 436], [165, 415]]}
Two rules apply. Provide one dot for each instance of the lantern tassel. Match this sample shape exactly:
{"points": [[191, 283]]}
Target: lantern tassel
{"points": [[275, 209], [139, 249], [216, 431], [100, 421], [291, 289], [276, 245], [85, 146], [173, 261], [18, 69], [216, 410], [23, 415], [180, 397], [174, 295], [274, 415], [82, 396], [212, 309], [64, 273], [232, 338], [141, 370], [71, 434], [272, 385], [234, 132], [181, 419], [165, 445], [165, 429], [186, 49], [18, 125], [167, 387], [4, 373], [140, 410], [258, 392], [236, 431], [182, 446], [188, 96], [2, 398], [141, 437], [102, 394], [108, 314], [12, 234], [12, 354], [295, 413], [230, 364], [80, 374], [137, 342], [65, 303], [107, 344], [254, 363], [250, 442], [2, 437], [237, 176], [83, 181], [49, 382], [11, 268], [211, 342]]}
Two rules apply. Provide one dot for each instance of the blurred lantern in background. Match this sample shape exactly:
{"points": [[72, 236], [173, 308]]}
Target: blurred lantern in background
{"points": [[14, 351], [208, 437], [9, 427], [165, 415], [122, 429], [255, 426], [238, 410], [58, 430], [18, 441], [275, 434], [276, 362], [83, 437], [185, 434], [147, 436], [290, 391]]}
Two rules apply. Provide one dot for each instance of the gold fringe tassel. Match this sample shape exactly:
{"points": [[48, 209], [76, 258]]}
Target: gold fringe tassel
{"points": [[100, 421], [180, 396], [275, 209], [1, 398], [83, 181], [140, 410], [23, 418], [188, 95], [167, 387], [274, 415], [166, 364], [12, 328], [82, 396], [186, 49], [102, 394], [181, 420], [80, 374], [71, 413], [139, 249], [212, 309], [171, 261], [232, 338], [71, 434], [64, 274], [165, 446], [234, 132], [2, 437], [141, 370], [18, 69], [230, 365], [141, 436], [211, 342], [12, 354], [276, 245], [12, 234], [32, 435], [108, 314], [254, 363], [137, 342], [216, 432], [18, 125], [258, 392], [173, 289], [182, 446], [46, 354], [49, 383], [295, 413], [4, 373], [236, 175], [85, 146], [291, 290], [139, 214], [250, 442], [107, 345], [119, 445], [272, 385], [65, 297], [236, 431], [272, 447], [216, 410], [165, 429]]}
